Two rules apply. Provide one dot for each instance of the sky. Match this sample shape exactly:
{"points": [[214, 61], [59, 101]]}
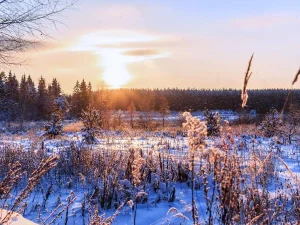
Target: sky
{"points": [[171, 43]]}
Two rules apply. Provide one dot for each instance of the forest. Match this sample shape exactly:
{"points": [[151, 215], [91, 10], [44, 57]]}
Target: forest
{"points": [[23, 100]]}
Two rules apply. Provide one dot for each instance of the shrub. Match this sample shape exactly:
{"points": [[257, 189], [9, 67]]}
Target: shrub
{"points": [[91, 124], [54, 127], [212, 123], [270, 126]]}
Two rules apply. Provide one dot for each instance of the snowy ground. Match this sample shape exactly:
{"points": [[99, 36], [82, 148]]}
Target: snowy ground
{"points": [[150, 212]]}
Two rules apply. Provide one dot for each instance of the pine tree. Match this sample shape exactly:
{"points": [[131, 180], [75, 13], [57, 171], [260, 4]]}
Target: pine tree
{"points": [[91, 120], [75, 100], [32, 99], [12, 86], [212, 123], [54, 92], [55, 126], [54, 89], [84, 96], [27, 100], [62, 105], [90, 93], [3, 101], [12, 96], [23, 100], [42, 100]]}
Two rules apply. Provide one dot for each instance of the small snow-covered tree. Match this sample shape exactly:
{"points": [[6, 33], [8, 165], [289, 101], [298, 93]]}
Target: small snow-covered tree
{"points": [[62, 104], [91, 121], [54, 127], [212, 123], [271, 124]]}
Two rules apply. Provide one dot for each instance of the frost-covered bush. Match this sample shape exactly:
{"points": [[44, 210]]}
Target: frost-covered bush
{"points": [[91, 121], [196, 132], [54, 127], [212, 123], [271, 124]]}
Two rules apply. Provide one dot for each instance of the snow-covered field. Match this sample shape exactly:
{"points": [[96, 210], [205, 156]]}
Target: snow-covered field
{"points": [[88, 176]]}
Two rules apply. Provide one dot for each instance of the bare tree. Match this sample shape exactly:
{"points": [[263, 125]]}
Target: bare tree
{"points": [[131, 110], [147, 107], [164, 109], [23, 24]]}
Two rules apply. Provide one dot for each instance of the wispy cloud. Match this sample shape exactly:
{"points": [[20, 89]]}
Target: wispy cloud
{"points": [[141, 52], [114, 60], [129, 46], [266, 21]]}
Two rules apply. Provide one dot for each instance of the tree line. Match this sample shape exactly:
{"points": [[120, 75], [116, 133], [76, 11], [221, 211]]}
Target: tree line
{"points": [[261, 100], [23, 100]]}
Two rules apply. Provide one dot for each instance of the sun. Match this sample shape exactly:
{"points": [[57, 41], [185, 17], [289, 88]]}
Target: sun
{"points": [[113, 57], [114, 64], [116, 76]]}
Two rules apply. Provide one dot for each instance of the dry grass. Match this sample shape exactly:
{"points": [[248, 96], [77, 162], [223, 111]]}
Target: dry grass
{"points": [[296, 77], [246, 79], [287, 98], [249, 129], [73, 127]]}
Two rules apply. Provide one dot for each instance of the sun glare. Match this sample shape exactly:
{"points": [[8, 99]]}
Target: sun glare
{"points": [[115, 72], [112, 59], [116, 77]]}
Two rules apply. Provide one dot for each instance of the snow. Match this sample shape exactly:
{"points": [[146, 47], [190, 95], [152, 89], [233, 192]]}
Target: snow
{"points": [[16, 219], [152, 212]]}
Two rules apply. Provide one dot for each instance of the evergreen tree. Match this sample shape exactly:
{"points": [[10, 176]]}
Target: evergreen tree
{"points": [[42, 100], [90, 93], [75, 101], [91, 121], [27, 100], [212, 123], [31, 99], [55, 126], [11, 96], [54, 92], [54, 89], [12, 87], [62, 105], [24, 93], [3, 102], [84, 96]]}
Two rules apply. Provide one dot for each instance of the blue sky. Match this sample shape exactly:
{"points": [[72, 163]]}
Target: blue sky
{"points": [[201, 44]]}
